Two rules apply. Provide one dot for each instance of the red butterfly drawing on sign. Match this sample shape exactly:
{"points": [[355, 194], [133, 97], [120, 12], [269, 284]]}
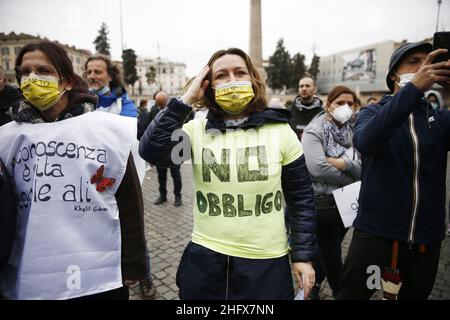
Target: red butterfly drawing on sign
{"points": [[102, 182]]}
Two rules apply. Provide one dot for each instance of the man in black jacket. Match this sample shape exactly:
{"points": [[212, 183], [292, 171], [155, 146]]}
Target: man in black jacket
{"points": [[401, 217], [305, 106], [143, 118], [161, 99], [9, 96]]}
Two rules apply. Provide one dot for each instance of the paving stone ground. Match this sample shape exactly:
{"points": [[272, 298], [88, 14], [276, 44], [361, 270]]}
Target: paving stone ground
{"points": [[168, 230]]}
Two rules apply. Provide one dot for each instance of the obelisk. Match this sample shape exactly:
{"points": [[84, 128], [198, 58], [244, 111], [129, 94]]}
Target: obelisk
{"points": [[256, 33]]}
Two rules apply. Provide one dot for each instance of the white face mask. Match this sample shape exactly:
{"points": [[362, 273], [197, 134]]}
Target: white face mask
{"points": [[342, 113], [404, 79], [434, 105]]}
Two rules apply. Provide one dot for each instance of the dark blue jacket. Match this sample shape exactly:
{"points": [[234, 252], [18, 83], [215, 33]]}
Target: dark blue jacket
{"points": [[156, 147], [404, 145], [143, 120]]}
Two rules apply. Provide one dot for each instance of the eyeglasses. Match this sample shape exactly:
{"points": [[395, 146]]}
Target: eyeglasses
{"points": [[23, 71]]}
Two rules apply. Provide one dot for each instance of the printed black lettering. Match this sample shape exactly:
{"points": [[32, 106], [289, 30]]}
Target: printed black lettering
{"points": [[244, 173], [258, 205], [52, 146], [25, 154], [71, 147], [202, 203], [69, 193], [242, 211], [43, 190], [278, 201], [228, 209], [40, 152], [101, 156], [60, 144], [209, 163], [267, 207], [26, 173], [88, 155], [213, 200], [78, 152]]}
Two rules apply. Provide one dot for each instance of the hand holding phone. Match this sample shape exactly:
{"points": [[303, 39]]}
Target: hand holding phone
{"points": [[441, 40], [430, 73]]}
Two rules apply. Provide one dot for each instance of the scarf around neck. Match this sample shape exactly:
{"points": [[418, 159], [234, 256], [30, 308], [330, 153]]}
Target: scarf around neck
{"points": [[26, 113], [336, 139]]}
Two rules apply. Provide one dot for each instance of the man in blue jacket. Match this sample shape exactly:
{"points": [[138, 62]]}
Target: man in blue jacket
{"points": [[404, 145], [104, 79]]}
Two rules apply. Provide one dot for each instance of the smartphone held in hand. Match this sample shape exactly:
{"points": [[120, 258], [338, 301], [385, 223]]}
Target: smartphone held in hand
{"points": [[441, 40]]}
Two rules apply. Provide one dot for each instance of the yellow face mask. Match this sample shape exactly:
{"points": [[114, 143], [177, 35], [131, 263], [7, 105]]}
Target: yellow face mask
{"points": [[41, 91], [234, 97]]}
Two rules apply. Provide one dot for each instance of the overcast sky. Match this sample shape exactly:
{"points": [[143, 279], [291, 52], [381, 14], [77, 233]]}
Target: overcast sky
{"points": [[190, 31]]}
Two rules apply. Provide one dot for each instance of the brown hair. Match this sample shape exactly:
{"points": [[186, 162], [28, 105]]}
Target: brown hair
{"points": [[143, 103], [337, 91], [258, 103], [112, 69]]}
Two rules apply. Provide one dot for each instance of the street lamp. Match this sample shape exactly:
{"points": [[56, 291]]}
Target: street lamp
{"points": [[439, 10], [159, 70]]}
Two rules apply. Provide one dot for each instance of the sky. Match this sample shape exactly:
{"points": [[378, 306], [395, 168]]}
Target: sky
{"points": [[190, 31]]}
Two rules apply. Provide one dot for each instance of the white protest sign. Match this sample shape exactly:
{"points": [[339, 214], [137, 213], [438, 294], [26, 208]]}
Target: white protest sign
{"points": [[68, 241], [347, 202]]}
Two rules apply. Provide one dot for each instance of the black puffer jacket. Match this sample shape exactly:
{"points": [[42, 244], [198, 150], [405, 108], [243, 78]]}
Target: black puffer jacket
{"points": [[156, 146]]}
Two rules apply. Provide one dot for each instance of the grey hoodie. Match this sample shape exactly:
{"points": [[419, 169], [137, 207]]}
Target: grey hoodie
{"points": [[325, 177], [438, 96]]}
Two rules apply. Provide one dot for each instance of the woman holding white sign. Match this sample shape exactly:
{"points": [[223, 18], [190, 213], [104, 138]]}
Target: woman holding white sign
{"points": [[333, 163], [80, 226]]}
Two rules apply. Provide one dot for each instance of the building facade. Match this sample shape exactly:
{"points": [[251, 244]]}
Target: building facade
{"points": [[159, 74], [362, 69], [12, 43]]}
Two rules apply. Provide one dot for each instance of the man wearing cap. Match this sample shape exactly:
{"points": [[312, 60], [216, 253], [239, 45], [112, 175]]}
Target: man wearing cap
{"points": [[404, 145]]}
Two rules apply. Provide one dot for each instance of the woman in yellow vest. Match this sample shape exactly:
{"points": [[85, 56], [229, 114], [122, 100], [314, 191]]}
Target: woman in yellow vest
{"points": [[245, 159]]}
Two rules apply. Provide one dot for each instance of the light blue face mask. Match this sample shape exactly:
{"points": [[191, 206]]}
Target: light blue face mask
{"points": [[434, 105], [100, 92]]}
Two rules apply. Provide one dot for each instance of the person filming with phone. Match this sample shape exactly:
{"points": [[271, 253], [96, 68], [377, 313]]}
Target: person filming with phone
{"points": [[404, 145]]}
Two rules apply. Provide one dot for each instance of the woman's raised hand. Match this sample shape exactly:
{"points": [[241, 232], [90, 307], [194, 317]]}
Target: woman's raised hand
{"points": [[196, 90]]}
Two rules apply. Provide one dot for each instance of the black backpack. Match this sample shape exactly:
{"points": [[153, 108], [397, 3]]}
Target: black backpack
{"points": [[8, 215]]}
